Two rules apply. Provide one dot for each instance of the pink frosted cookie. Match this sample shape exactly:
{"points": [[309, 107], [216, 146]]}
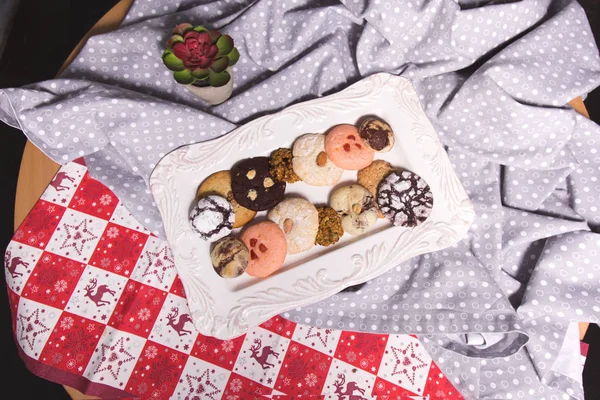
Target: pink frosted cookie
{"points": [[346, 149], [268, 247]]}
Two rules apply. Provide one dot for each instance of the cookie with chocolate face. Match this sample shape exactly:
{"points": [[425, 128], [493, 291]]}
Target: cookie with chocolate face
{"points": [[212, 218], [376, 134], [229, 257], [405, 199], [253, 186]]}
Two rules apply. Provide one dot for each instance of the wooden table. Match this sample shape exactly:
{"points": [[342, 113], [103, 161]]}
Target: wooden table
{"points": [[37, 170]]}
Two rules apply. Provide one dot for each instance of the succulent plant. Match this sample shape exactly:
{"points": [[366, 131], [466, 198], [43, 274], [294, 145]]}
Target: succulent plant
{"points": [[200, 56]]}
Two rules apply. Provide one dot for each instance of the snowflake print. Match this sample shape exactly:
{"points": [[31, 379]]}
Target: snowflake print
{"points": [[144, 314], [51, 209], [233, 397], [174, 357], [60, 286], [151, 352], [142, 388], [236, 385], [31, 240], [155, 394], [71, 364], [105, 262], [67, 323], [135, 236], [90, 327], [156, 301], [35, 288], [286, 381], [311, 380], [46, 259], [112, 232], [227, 346], [19, 235], [351, 356], [105, 199], [81, 202], [56, 358]]}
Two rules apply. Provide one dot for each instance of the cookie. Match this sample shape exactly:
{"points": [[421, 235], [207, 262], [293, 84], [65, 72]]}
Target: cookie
{"points": [[220, 183], [299, 221], [212, 217], [346, 149], [229, 257], [311, 163], [370, 177], [377, 134], [330, 227], [405, 198], [281, 166], [356, 207], [253, 186], [267, 246]]}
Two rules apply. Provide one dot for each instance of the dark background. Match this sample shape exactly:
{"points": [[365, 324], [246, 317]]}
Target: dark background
{"points": [[36, 36]]}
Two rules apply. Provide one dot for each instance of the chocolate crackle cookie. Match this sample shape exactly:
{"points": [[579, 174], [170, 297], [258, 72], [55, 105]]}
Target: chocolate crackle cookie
{"points": [[219, 183], [229, 257], [376, 134], [253, 186], [405, 198], [281, 166], [212, 217], [357, 208]]}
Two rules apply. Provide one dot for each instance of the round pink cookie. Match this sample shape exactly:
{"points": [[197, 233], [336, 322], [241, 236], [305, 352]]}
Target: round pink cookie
{"points": [[346, 149], [268, 247]]}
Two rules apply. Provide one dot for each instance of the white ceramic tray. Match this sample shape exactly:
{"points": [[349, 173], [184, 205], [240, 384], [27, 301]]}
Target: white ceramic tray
{"points": [[228, 308]]}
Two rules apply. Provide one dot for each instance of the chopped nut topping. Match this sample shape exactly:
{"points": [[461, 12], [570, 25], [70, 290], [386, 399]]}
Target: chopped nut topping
{"points": [[252, 195], [251, 174], [268, 182]]}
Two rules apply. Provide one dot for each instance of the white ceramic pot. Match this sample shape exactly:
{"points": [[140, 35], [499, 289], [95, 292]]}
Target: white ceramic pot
{"points": [[214, 95]]}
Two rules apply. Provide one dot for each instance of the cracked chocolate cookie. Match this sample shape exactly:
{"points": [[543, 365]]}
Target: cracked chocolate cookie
{"points": [[229, 257], [212, 218], [253, 186], [405, 199], [356, 207], [376, 134]]}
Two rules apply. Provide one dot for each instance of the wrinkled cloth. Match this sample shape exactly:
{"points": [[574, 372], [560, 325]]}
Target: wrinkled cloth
{"points": [[494, 78]]}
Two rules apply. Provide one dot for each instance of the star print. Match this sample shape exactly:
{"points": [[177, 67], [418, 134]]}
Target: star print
{"points": [[30, 327], [158, 263], [113, 358], [407, 362], [323, 337], [77, 236], [199, 385]]}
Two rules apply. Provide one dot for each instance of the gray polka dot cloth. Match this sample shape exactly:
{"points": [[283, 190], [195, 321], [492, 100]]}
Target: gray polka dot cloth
{"points": [[497, 310]]}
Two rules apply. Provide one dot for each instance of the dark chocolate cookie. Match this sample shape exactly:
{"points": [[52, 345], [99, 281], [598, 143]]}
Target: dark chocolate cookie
{"points": [[405, 198], [253, 185]]}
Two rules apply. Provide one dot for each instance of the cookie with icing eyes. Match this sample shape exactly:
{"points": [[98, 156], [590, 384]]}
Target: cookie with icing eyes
{"points": [[267, 245], [346, 149], [253, 186], [356, 206], [405, 199]]}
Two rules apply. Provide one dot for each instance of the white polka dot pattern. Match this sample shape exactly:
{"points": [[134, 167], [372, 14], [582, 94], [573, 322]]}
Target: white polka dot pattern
{"points": [[494, 79]]}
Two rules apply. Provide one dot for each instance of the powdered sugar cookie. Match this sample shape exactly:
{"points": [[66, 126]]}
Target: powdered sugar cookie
{"points": [[311, 162], [299, 220]]}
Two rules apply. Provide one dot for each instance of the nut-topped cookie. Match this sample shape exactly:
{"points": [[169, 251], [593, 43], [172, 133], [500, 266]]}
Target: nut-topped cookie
{"points": [[311, 162], [357, 208], [299, 221], [253, 186]]}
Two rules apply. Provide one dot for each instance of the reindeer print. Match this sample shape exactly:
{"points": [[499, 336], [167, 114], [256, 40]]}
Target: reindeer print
{"points": [[351, 387], [264, 356], [58, 179], [97, 297], [180, 324], [12, 264]]}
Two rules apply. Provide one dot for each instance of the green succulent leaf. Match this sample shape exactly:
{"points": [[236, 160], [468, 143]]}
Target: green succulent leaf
{"points": [[181, 29], [172, 62], [184, 77], [214, 35], [174, 39], [225, 45], [200, 73], [220, 64], [233, 56], [200, 28], [217, 79]]}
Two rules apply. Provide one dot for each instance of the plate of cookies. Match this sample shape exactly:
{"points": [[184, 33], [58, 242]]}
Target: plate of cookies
{"points": [[293, 207]]}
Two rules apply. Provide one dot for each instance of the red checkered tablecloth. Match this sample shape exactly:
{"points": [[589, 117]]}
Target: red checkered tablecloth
{"points": [[97, 305]]}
